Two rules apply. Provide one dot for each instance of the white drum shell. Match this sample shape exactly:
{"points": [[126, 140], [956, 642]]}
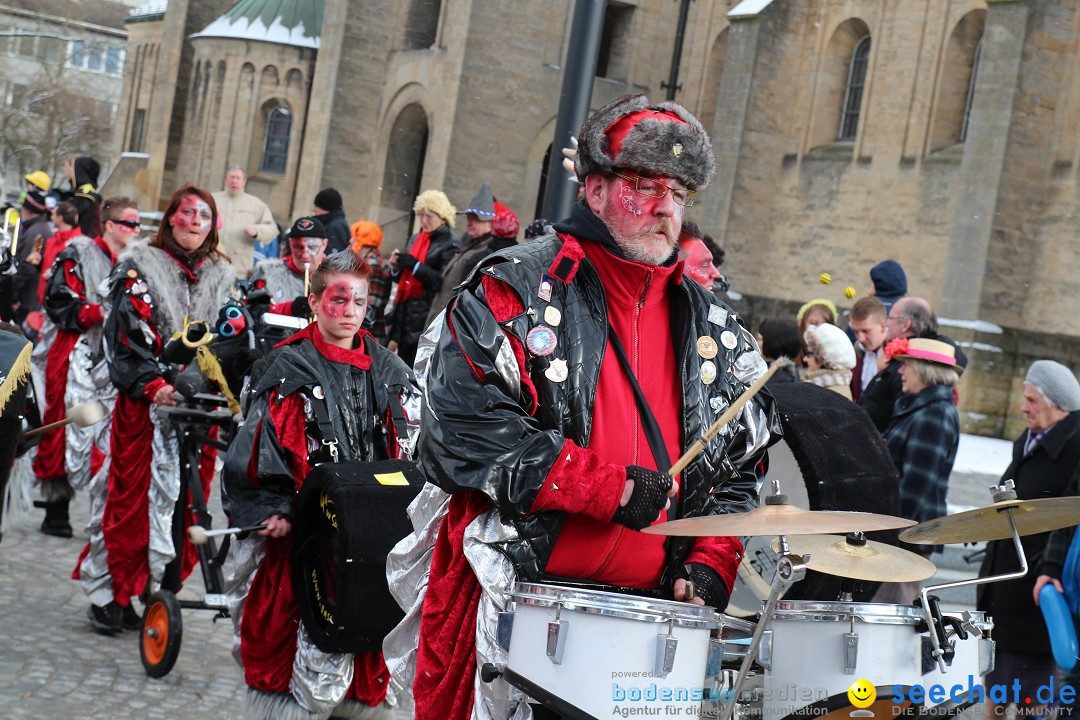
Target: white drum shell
{"points": [[806, 656], [603, 649]]}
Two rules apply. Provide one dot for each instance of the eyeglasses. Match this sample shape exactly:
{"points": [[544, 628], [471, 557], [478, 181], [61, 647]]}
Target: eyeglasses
{"points": [[655, 189], [129, 224]]}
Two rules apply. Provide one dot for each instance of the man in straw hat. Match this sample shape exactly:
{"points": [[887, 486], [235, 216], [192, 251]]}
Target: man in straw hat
{"points": [[1045, 464], [549, 365]]}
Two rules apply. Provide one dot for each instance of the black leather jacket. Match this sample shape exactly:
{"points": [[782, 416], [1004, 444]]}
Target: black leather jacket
{"points": [[481, 436]]}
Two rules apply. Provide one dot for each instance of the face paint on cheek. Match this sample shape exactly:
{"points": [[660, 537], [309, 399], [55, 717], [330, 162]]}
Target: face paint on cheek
{"points": [[629, 200], [192, 206]]}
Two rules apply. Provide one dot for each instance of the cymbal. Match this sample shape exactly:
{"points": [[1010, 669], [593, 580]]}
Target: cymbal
{"points": [[990, 523], [873, 561], [778, 520]]}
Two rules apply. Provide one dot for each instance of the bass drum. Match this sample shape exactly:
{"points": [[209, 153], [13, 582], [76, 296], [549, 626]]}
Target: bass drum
{"points": [[831, 458]]}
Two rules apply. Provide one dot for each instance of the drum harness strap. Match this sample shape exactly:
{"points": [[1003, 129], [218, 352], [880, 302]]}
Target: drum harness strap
{"points": [[648, 420], [328, 437]]}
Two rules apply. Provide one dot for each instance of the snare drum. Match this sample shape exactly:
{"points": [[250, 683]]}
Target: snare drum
{"points": [[593, 651], [814, 651]]}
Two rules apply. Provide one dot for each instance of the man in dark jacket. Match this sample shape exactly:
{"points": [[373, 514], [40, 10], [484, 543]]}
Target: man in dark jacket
{"points": [[534, 422], [1045, 461], [330, 210]]}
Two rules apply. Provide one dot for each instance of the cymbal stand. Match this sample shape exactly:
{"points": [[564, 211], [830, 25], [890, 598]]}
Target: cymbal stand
{"points": [[789, 570], [938, 632]]}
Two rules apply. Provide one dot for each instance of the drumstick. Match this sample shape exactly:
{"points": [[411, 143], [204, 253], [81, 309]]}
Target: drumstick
{"points": [[81, 415], [727, 417], [307, 278], [199, 535]]}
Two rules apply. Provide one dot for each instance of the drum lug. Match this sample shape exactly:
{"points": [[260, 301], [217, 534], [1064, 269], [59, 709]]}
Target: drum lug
{"points": [[557, 631], [715, 658], [666, 646], [503, 630], [987, 649], [851, 652], [764, 651]]}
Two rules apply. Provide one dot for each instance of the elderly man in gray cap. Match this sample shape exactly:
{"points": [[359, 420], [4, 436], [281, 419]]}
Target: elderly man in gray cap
{"points": [[1046, 459]]}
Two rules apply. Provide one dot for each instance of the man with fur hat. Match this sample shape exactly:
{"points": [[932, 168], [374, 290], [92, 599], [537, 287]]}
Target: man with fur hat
{"points": [[419, 271], [278, 285], [245, 221], [567, 376], [1045, 464], [330, 209], [480, 242]]}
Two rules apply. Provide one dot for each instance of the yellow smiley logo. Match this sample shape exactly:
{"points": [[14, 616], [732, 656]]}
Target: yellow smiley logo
{"points": [[862, 694]]}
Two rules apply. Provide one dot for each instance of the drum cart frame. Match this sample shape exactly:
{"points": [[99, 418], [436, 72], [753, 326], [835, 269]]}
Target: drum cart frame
{"points": [[162, 623]]}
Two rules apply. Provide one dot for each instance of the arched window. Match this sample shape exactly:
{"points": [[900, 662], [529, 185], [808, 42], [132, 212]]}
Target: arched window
{"points": [[856, 80], [970, 93], [955, 89], [406, 152], [276, 146], [422, 24]]}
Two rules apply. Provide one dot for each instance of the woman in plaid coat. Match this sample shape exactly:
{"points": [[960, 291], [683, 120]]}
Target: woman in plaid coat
{"points": [[922, 439]]}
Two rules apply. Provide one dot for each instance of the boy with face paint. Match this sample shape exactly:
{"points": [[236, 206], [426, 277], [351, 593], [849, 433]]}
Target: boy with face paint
{"points": [[277, 285], [335, 364]]}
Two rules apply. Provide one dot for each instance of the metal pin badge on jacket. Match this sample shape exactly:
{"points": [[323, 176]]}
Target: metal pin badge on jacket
{"points": [[729, 340], [544, 293], [708, 372], [717, 315], [317, 391], [552, 316], [557, 371], [541, 341], [706, 347]]}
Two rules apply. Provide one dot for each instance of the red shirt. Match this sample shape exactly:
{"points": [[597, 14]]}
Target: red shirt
{"points": [[639, 310]]}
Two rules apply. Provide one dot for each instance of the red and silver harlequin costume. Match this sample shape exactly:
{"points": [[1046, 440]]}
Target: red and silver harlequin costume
{"points": [[151, 294], [70, 360]]}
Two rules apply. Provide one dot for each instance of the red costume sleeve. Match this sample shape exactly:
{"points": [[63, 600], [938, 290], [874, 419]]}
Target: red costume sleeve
{"points": [[151, 388], [90, 315], [722, 554], [291, 423]]}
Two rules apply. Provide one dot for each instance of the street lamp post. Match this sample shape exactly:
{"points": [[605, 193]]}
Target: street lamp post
{"points": [[574, 99]]}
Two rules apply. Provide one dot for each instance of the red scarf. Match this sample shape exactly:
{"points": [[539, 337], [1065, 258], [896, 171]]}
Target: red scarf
{"points": [[409, 287]]}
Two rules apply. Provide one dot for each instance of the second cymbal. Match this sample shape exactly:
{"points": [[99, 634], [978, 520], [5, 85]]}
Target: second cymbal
{"points": [[873, 561], [991, 523], [778, 519]]}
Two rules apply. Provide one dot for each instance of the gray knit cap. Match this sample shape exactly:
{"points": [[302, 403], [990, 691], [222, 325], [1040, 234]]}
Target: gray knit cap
{"points": [[1057, 383]]}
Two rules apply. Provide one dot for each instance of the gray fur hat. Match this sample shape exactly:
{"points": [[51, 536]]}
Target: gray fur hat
{"points": [[663, 140], [1056, 382]]}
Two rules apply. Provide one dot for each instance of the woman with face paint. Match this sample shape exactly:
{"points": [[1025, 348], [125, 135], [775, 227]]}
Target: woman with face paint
{"points": [[156, 289], [331, 374]]}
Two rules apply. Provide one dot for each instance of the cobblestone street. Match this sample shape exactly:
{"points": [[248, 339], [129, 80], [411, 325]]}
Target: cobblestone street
{"points": [[53, 665]]}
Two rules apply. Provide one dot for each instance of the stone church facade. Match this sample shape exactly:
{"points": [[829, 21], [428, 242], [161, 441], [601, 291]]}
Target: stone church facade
{"points": [[939, 133]]}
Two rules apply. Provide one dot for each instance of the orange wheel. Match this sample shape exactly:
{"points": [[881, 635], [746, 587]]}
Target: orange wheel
{"points": [[159, 641]]}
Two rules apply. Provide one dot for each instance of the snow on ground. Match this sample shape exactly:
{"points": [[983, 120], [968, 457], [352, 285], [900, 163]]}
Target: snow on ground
{"points": [[982, 455]]}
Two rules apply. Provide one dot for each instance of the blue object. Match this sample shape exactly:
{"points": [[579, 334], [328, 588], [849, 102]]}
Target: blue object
{"points": [[1059, 624]]}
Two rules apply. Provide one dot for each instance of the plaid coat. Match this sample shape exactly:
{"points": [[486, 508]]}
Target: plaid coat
{"points": [[922, 440]]}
